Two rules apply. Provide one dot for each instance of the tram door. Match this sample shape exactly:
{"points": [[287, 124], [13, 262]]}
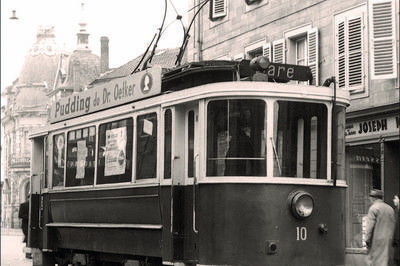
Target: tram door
{"points": [[185, 161]]}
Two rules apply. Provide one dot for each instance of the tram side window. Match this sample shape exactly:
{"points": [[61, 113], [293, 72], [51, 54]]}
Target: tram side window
{"points": [[167, 143], [236, 131], [115, 152], [300, 140], [58, 159], [146, 146], [81, 147]]}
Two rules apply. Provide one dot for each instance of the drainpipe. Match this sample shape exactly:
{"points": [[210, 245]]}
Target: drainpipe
{"points": [[198, 39]]}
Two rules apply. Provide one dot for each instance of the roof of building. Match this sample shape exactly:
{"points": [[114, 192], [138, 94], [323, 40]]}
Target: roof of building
{"points": [[82, 68], [164, 57], [41, 62]]}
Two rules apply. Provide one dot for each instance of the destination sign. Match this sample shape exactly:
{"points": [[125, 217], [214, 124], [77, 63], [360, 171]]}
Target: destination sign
{"points": [[112, 93], [287, 72], [279, 72]]}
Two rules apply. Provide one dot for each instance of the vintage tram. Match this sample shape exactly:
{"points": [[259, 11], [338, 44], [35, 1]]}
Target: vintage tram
{"points": [[210, 163]]}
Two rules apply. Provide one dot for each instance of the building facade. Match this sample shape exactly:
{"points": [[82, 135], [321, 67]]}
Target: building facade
{"points": [[47, 74], [26, 108], [355, 41]]}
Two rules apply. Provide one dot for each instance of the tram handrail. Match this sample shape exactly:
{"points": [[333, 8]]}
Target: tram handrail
{"points": [[276, 156], [196, 157]]}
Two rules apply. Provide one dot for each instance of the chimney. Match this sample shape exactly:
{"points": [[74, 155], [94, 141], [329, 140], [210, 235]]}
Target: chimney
{"points": [[104, 54]]}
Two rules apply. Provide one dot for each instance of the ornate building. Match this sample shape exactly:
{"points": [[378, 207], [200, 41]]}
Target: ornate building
{"points": [[26, 108], [47, 73]]}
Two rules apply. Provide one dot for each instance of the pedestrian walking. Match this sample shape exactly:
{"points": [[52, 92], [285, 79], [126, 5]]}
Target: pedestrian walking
{"points": [[380, 228], [24, 216], [395, 244]]}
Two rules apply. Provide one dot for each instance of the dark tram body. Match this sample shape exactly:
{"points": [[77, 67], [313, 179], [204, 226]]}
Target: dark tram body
{"points": [[213, 169]]}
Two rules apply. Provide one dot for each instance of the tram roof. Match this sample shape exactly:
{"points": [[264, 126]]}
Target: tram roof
{"points": [[199, 74]]}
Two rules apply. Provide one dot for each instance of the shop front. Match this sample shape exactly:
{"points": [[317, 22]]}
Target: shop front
{"points": [[372, 162]]}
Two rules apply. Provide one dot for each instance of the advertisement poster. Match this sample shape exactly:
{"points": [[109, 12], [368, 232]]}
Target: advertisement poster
{"points": [[115, 162], [60, 150], [81, 160]]}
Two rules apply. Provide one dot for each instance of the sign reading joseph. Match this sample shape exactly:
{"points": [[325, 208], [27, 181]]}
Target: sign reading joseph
{"points": [[115, 92]]}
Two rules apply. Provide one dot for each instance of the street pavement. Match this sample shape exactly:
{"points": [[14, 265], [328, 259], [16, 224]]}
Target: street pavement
{"points": [[12, 248]]}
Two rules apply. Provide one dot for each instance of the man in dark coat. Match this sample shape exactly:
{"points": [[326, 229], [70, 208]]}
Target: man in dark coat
{"points": [[379, 232], [395, 244], [24, 216]]}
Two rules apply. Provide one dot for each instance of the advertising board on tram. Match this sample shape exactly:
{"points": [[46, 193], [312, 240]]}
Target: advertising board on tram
{"points": [[113, 93]]}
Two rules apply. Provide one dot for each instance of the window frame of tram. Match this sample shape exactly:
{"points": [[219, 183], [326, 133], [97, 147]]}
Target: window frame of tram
{"points": [[300, 139], [115, 139], [146, 146], [229, 121], [81, 150], [168, 144], [58, 166]]}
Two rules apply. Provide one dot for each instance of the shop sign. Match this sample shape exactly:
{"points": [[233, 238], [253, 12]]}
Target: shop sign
{"points": [[374, 127], [113, 93]]}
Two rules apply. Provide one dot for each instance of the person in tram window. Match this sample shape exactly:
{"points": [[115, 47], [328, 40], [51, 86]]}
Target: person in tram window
{"points": [[240, 149], [379, 231]]}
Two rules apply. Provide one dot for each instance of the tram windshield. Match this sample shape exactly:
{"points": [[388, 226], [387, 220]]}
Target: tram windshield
{"points": [[299, 142], [236, 138]]}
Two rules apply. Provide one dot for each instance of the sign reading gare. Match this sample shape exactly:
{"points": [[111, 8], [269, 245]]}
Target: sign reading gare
{"points": [[115, 92]]}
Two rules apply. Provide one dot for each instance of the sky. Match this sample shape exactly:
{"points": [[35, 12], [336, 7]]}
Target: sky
{"points": [[129, 24]]}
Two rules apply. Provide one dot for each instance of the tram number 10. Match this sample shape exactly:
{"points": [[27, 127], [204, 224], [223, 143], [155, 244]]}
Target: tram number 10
{"points": [[301, 233]]}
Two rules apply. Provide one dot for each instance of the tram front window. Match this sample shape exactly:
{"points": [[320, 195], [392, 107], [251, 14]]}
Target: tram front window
{"points": [[300, 137], [236, 138]]}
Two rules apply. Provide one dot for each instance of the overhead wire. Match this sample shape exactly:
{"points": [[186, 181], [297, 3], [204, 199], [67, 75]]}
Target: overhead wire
{"points": [[155, 45], [187, 36], [162, 30], [148, 60]]}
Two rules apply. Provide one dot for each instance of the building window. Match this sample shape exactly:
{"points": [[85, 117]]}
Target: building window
{"points": [[302, 49], [350, 48], [218, 9], [301, 52], [254, 49], [363, 174]]}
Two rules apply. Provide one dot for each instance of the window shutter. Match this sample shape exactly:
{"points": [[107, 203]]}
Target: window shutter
{"points": [[383, 42], [341, 54], [349, 53], [355, 63], [279, 51], [218, 8], [313, 53], [266, 50]]}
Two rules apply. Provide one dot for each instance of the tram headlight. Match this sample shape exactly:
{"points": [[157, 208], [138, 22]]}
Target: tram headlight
{"points": [[301, 204]]}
